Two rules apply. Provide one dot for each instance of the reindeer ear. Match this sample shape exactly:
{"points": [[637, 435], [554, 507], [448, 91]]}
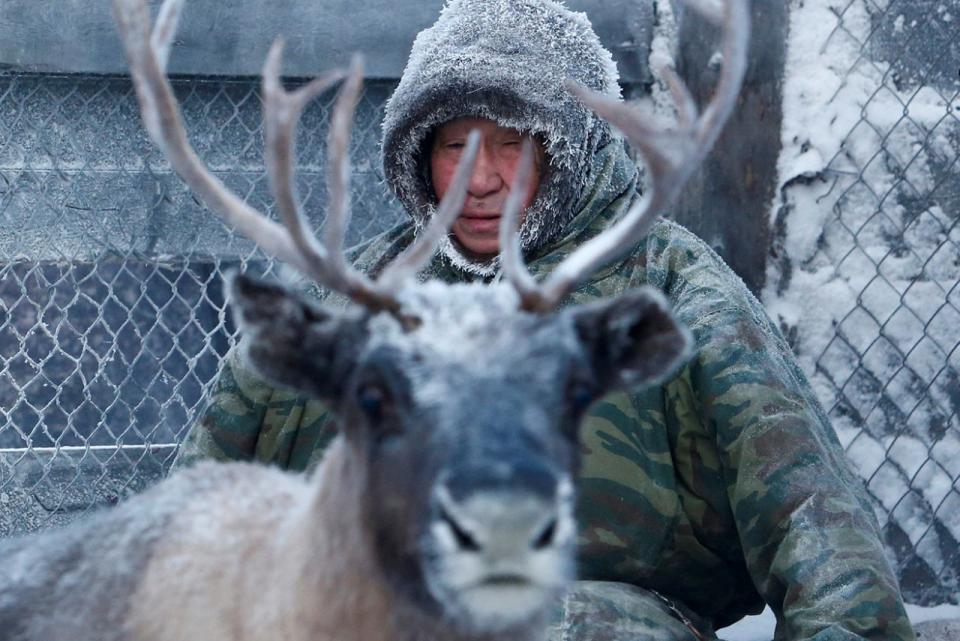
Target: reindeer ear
{"points": [[632, 340], [292, 342]]}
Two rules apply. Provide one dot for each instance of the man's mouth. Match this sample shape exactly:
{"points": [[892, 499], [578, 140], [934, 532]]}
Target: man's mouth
{"points": [[484, 223]]}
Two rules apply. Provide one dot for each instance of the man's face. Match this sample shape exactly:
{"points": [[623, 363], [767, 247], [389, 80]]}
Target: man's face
{"points": [[477, 228]]}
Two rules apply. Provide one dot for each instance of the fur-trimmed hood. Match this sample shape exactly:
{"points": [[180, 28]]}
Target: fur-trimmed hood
{"points": [[505, 60]]}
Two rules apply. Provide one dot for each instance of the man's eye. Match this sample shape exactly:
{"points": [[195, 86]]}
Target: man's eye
{"points": [[454, 145]]}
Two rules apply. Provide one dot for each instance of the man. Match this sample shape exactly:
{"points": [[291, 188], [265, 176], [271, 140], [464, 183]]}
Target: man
{"points": [[699, 501]]}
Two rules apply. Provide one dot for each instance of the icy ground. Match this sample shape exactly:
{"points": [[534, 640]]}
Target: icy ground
{"points": [[761, 626]]}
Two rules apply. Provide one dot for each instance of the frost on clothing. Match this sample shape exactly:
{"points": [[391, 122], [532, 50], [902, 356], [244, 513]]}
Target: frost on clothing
{"points": [[723, 489], [505, 60]]}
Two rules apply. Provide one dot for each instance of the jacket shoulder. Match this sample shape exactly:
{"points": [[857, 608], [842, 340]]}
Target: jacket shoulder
{"points": [[695, 279], [373, 254]]}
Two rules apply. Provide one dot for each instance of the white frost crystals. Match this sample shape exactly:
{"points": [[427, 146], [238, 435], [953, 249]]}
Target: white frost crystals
{"points": [[864, 280]]}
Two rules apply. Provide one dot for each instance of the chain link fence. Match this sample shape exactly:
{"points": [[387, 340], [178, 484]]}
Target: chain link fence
{"points": [[868, 256], [112, 318]]}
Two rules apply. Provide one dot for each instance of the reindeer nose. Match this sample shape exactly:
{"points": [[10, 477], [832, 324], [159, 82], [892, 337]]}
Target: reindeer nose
{"points": [[504, 511]]}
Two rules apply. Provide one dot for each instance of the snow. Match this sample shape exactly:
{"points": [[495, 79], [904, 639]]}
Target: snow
{"points": [[661, 108], [866, 281], [761, 626]]}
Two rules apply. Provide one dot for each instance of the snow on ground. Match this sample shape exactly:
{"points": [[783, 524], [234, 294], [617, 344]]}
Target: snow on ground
{"points": [[865, 278], [761, 626]]}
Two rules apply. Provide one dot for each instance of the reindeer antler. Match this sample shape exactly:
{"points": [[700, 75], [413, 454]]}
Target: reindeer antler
{"points": [[292, 242], [671, 157]]}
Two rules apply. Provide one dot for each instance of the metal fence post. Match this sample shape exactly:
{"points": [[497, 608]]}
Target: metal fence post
{"points": [[727, 203]]}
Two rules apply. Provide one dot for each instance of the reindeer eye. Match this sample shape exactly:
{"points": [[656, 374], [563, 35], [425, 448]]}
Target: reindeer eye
{"points": [[371, 399], [580, 395]]}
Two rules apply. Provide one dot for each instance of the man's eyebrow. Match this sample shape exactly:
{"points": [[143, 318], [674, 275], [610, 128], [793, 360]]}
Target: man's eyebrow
{"points": [[451, 133]]}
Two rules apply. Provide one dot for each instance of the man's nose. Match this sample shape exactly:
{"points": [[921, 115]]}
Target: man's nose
{"points": [[486, 178]]}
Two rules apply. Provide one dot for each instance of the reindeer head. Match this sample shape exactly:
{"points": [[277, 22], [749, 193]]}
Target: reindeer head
{"points": [[465, 426], [460, 404]]}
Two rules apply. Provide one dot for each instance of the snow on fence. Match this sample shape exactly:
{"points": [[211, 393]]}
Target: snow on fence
{"points": [[864, 273], [112, 316], [112, 319]]}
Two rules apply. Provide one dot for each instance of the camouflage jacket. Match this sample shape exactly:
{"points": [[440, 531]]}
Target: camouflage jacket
{"points": [[725, 488]]}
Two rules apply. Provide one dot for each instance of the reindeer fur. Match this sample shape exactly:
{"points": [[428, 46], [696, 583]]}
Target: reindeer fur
{"points": [[221, 551]]}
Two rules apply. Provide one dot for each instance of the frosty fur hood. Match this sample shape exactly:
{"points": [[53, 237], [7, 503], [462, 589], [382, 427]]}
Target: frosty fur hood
{"points": [[505, 60]]}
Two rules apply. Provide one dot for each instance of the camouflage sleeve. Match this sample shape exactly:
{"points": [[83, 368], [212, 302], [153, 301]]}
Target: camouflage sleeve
{"points": [[230, 423], [808, 533], [246, 418]]}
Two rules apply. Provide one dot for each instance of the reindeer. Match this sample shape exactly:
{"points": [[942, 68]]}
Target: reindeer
{"points": [[435, 514]]}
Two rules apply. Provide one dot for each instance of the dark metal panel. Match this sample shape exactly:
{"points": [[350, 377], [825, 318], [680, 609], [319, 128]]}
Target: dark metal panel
{"points": [[79, 178], [218, 38], [728, 201]]}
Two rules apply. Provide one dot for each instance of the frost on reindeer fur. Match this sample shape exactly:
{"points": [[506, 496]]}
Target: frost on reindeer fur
{"points": [[863, 280]]}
